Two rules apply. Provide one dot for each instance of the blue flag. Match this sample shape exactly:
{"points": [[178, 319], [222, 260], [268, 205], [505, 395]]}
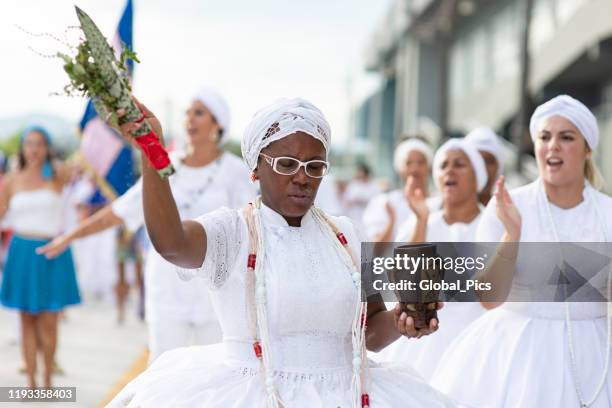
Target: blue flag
{"points": [[104, 150]]}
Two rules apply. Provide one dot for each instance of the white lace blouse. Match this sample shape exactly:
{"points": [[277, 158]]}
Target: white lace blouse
{"points": [[310, 293]]}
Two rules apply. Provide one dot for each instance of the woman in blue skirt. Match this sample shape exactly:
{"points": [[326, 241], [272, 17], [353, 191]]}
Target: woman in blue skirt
{"points": [[38, 287]]}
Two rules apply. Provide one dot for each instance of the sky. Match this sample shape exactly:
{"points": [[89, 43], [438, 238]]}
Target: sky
{"points": [[252, 52]]}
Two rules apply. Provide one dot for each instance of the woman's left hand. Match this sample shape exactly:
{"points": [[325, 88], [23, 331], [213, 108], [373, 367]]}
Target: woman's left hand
{"points": [[405, 324]]}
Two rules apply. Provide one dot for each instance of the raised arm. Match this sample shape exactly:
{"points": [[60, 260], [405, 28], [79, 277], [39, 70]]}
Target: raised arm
{"points": [[181, 243], [63, 173], [418, 204], [500, 270]]}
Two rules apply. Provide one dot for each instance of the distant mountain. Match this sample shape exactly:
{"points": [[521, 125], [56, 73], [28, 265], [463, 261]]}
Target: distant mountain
{"points": [[63, 131]]}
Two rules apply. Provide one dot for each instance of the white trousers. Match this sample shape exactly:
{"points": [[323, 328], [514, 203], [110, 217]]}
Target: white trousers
{"points": [[168, 334]]}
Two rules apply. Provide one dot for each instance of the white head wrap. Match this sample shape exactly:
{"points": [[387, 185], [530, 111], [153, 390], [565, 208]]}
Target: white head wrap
{"points": [[279, 120], [403, 150], [572, 110], [473, 155], [485, 139], [217, 106]]}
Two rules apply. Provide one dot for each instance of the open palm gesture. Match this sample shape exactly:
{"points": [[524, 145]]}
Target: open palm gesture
{"points": [[506, 211], [416, 198]]}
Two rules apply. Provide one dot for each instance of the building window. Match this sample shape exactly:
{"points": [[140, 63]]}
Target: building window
{"points": [[481, 66], [565, 9], [542, 24], [506, 42], [457, 84]]}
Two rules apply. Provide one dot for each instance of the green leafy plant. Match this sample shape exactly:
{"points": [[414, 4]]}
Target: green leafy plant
{"points": [[95, 72], [86, 78]]}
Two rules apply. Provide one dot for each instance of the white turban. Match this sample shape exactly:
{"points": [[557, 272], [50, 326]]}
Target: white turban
{"points": [[485, 139], [217, 106], [279, 120], [473, 155], [572, 110], [403, 150]]}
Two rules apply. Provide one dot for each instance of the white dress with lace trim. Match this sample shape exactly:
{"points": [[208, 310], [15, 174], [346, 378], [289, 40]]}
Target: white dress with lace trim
{"points": [[310, 302], [425, 354], [517, 355]]}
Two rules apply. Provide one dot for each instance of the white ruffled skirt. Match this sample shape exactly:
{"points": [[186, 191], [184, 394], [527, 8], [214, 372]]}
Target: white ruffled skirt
{"points": [[202, 376], [425, 353], [518, 356]]}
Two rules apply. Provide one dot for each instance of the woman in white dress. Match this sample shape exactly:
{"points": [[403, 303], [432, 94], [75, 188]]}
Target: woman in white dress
{"points": [[460, 173], [540, 354], [492, 151], [180, 313], [358, 194], [387, 211], [284, 281]]}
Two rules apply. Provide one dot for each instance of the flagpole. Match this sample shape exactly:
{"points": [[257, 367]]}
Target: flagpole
{"points": [[108, 168]]}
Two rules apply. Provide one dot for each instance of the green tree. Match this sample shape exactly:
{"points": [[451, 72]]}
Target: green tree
{"points": [[10, 145]]}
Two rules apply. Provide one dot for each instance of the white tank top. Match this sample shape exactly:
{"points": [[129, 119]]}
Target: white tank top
{"points": [[37, 213]]}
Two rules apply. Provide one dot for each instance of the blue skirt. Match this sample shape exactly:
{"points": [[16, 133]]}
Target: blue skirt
{"points": [[32, 283]]}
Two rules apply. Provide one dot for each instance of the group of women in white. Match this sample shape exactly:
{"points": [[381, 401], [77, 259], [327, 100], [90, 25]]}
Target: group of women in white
{"points": [[512, 354], [275, 282]]}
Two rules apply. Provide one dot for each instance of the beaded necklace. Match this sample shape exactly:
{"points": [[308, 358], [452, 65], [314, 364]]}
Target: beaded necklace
{"points": [[195, 194], [568, 320], [257, 313]]}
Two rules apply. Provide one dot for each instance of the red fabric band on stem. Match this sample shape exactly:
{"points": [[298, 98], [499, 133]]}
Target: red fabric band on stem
{"points": [[153, 149]]}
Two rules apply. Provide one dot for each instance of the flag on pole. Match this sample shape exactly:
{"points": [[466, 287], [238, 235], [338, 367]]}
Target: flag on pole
{"points": [[103, 150]]}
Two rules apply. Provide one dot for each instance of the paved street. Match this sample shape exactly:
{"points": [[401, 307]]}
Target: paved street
{"points": [[94, 351]]}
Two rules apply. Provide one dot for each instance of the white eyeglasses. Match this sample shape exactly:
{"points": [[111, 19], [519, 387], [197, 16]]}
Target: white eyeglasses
{"points": [[288, 166]]}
